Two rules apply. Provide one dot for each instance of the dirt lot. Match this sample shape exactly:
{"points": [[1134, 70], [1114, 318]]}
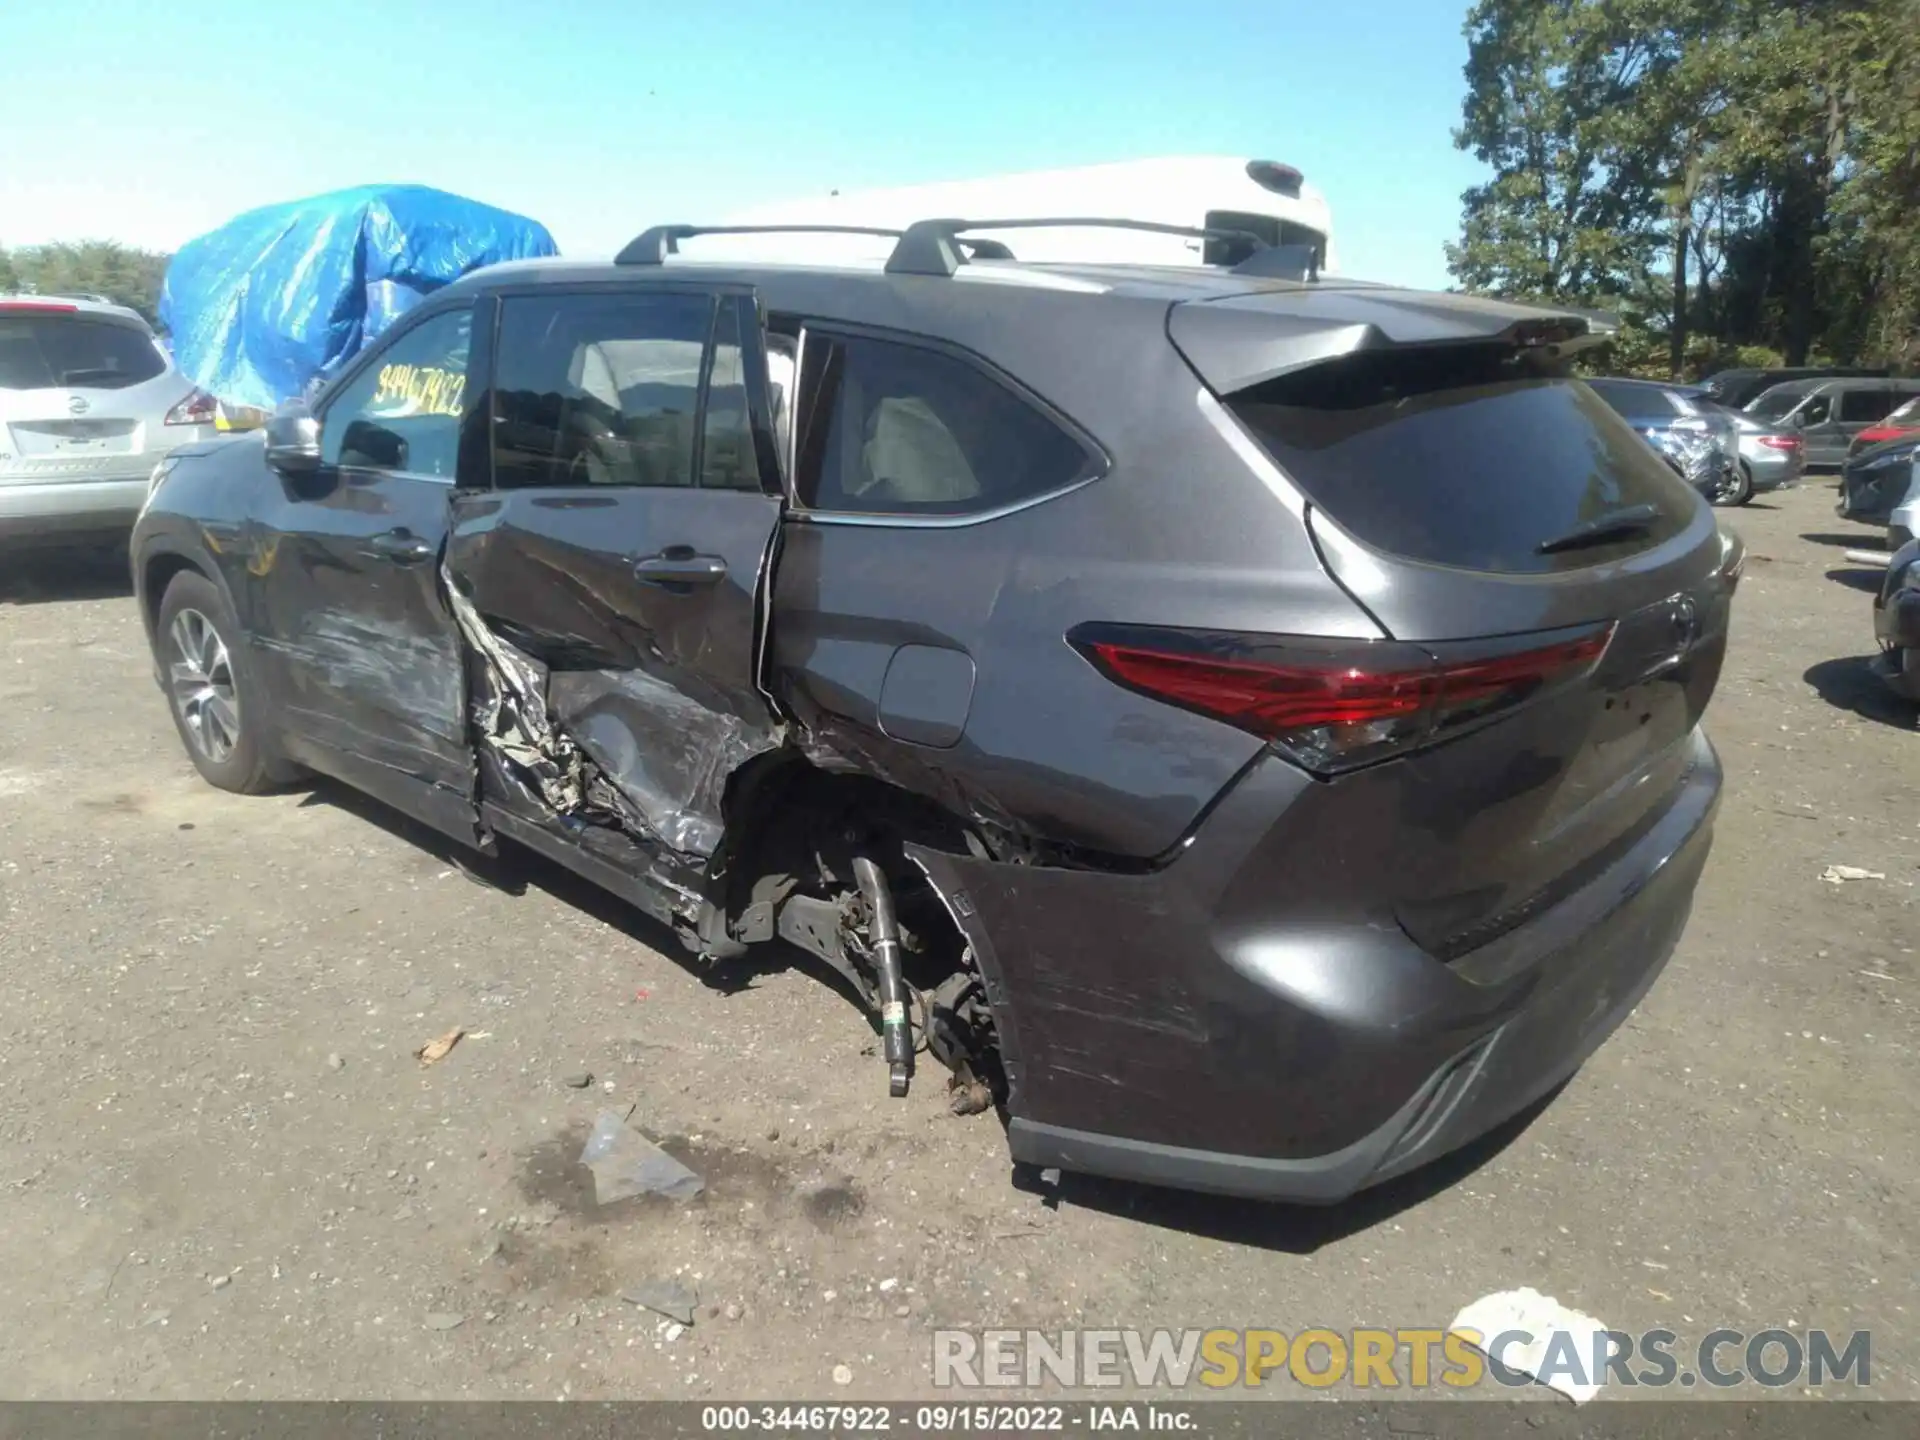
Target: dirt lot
{"points": [[224, 1174]]}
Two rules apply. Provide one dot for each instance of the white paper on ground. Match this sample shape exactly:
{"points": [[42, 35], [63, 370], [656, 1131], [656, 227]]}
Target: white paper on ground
{"points": [[1544, 1319]]}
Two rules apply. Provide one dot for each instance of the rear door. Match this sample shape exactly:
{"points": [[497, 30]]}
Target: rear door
{"points": [[1819, 422], [610, 580], [343, 592]]}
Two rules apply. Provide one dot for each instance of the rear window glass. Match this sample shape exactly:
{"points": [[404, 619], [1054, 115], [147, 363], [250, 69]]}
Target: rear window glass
{"points": [[66, 352], [1460, 458]]}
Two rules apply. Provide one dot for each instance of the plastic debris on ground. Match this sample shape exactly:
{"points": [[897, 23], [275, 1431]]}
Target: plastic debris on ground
{"points": [[1563, 1344], [1840, 874], [625, 1164], [664, 1297], [282, 296]]}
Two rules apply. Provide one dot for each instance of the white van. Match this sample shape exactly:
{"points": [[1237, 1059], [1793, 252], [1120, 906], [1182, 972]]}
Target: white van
{"points": [[1263, 198]]}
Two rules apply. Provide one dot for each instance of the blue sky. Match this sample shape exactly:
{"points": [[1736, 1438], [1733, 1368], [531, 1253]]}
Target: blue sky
{"points": [[153, 122]]}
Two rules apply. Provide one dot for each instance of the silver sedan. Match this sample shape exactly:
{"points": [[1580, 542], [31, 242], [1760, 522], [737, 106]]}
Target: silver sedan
{"points": [[1770, 458]]}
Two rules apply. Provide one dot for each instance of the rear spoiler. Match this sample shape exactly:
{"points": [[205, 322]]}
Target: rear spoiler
{"points": [[1243, 340]]}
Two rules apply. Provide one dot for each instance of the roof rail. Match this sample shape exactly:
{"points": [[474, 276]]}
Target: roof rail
{"points": [[652, 247], [933, 247]]}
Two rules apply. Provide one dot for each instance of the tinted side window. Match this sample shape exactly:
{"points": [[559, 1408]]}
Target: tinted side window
{"points": [[892, 429], [1459, 458], [402, 412], [598, 389], [1865, 405], [726, 445], [1635, 402], [1818, 410]]}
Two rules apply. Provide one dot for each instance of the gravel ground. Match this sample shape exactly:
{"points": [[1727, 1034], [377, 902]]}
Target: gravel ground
{"points": [[224, 1173]]}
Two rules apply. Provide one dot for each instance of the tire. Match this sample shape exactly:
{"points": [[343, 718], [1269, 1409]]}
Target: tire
{"points": [[1740, 491], [212, 692]]}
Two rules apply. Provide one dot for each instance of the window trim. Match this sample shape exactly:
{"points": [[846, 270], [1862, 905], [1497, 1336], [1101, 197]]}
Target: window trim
{"points": [[324, 402], [1096, 465]]}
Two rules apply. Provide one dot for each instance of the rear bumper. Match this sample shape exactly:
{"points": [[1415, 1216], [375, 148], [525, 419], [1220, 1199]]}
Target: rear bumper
{"points": [[44, 512], [1156, 1033], [1773, 470]]}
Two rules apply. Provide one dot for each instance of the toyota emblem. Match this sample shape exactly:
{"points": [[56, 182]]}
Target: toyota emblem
{"points": [[77, 405]]}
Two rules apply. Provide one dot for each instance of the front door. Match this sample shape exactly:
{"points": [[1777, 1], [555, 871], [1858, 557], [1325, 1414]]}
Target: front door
{"points": [[1820, 430], [343, 580], [609, 581]]}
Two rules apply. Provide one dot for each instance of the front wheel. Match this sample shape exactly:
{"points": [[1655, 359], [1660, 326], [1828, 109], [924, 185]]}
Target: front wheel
{"points": [[211, 693]]}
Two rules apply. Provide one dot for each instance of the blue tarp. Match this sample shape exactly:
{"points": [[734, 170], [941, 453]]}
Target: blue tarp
{"points": [[284, 295]]}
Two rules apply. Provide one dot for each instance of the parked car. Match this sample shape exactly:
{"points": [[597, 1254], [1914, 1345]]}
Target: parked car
{"points": [[1896, 614], [1696, 436], [1734, 388], [1770, 458], [89, 403], [1827, 414], [1184, 748], [1876, 482], [1902, 422]]}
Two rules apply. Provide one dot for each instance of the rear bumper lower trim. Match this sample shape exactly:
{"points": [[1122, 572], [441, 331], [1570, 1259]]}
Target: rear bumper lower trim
{"points": [[77, 506]]}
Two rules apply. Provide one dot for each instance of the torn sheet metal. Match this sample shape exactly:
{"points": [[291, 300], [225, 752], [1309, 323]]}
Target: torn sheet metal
{"points": [[667, 754], [615, 746]]}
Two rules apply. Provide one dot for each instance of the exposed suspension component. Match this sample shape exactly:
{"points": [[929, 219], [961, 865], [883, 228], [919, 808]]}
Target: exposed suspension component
{"points": [[896, 1032]]}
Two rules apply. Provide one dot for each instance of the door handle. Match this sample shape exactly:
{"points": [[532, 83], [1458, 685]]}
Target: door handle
{"points": [[678, 565], [402, 547]]}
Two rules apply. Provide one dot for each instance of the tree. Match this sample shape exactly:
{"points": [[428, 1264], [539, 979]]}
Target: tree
{"points": [[121, 273], [1727, 173], [1547, 84]]}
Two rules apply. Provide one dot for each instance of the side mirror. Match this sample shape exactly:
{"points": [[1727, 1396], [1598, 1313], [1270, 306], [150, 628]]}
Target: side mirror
{"points": [[293, 440]]}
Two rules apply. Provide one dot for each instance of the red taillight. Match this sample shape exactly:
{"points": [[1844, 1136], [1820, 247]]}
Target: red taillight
{"points": [[1782, 442], [1333, 705], [36, 307], [199, 408], [1874, 434]]}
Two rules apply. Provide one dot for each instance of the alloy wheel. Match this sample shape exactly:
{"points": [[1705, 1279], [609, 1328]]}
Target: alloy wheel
{"points": [[200, 679]]}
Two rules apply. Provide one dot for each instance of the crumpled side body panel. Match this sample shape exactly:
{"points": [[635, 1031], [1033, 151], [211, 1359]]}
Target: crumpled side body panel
{"points": [[604, 746]]}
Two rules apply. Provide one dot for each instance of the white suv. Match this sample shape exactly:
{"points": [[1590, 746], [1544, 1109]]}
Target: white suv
{"points": [[89, 403]]}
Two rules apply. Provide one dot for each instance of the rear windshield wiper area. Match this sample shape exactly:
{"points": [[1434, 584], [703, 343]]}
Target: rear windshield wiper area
{"points": [[1614, 525]]}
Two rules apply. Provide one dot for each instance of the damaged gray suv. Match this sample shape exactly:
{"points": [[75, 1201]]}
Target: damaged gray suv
{"points": [[1243, 725]]}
